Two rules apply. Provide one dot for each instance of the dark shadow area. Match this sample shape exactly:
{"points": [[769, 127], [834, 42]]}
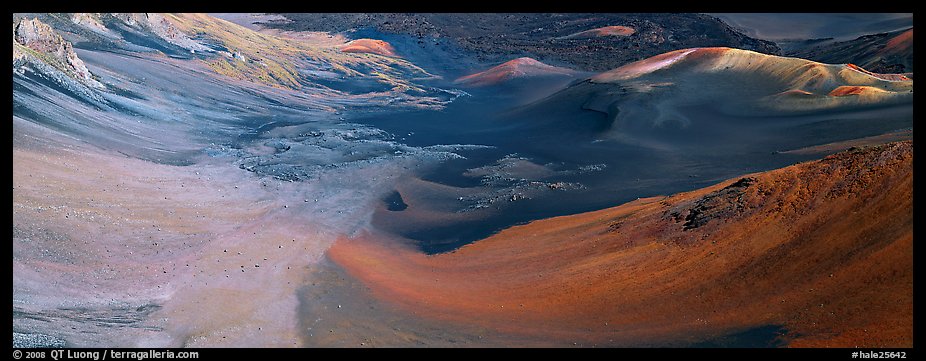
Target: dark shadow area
{"points": [[769, 336]]}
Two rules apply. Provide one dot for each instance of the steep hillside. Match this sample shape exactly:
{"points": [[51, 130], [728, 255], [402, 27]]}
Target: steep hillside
{"points": [[821, 252], [237, 52], [39, 50], [882, 53], [497, 37]]}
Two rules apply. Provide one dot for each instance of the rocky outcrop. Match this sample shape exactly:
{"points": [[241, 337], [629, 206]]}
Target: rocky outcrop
{"points": [[51, 48], [38, 51], [721, 204], [162, 27], [92, 22]]}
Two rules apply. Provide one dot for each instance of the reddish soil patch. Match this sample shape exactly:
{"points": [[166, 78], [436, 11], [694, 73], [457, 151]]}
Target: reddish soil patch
{"points": [[614, 30], [643, 66], [798, 93], [704, 54], [888, 77], [369, 46], [899, 43], [516, 68], [822, 248], [847, 90]]}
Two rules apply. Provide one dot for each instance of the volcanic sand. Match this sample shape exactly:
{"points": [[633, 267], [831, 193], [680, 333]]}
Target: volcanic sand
{"points": [[133, 253], [822, 249]]}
